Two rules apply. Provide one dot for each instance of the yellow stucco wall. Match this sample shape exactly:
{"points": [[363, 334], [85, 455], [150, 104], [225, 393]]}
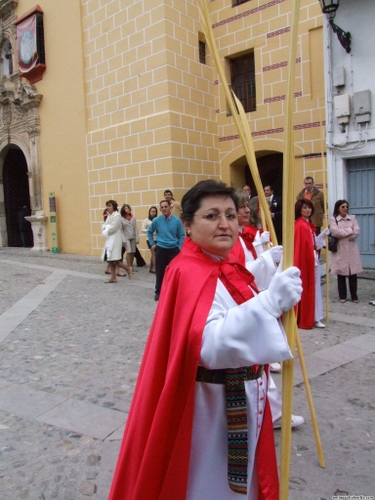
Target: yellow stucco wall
{"points": [[151, 115], [264, 27], [63, 123]]}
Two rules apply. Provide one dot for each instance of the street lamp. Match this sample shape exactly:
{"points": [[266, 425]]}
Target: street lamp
{"points": [[329, 7]]}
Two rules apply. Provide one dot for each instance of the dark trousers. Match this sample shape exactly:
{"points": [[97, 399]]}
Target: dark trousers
{"points": [[341, 285], [163, 257]]}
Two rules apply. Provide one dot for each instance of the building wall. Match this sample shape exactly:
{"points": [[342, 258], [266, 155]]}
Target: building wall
{"points": [[63, 124], [151, 115], [157, 118], [356, 140], [351, 145], [265, 28], [128, 110]]}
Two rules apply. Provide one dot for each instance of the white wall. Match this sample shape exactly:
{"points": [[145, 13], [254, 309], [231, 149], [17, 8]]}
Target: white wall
{"points": [[357, 140]]}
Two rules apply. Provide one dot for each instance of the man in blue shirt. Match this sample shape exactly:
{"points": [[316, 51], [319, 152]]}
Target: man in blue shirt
{"points": [[170, 235]]}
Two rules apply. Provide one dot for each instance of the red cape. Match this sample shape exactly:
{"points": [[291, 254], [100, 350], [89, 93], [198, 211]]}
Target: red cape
{"points": [[305, 261], [238, 250]]}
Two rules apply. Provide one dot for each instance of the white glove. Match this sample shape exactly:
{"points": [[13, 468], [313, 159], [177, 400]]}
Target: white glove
{"points": [[265, 237], [283, 293], [326, 232], [276, 253]]}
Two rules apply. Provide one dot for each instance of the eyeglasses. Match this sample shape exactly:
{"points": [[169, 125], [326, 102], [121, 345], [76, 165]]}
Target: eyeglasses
{"points": [[230, 216]]}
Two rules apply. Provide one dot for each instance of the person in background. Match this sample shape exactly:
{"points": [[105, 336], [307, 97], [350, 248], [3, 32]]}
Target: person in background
{"points": [[346, 262], [112, 231], [25, 226], [129, 227], [200, 426], [246, 189], [306, 258], [312, 193], [262, 264], [108, 267], [276, 209], [152, 213], [170, 235], [175, 205]]}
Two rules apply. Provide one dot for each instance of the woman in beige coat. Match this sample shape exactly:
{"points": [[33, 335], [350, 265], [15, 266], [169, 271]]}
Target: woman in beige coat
{"points": [[346, 261]]}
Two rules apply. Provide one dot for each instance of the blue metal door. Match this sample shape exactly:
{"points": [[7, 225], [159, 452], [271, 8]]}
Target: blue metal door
{"points": [[361, 197]]}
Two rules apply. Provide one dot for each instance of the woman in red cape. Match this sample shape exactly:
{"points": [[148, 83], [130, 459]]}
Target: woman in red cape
{"points": [[210, 325], [306, 244]]}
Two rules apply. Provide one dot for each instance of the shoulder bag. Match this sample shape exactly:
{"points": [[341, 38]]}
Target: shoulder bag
{"points": [[332, 242]]}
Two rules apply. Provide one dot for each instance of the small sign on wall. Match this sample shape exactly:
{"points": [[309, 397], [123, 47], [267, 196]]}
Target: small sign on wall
{"points": [[53, 222]]}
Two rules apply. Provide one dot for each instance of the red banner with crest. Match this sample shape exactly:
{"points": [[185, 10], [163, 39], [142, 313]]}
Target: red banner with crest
{"points": [[27, 47]]}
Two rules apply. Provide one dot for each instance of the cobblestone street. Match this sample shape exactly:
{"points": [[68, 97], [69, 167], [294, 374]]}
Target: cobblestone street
{"points": [[70, 349]]}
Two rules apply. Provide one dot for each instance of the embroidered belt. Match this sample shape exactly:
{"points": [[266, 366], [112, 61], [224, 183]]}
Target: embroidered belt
{"points": [[218, 376], [234, 381]]}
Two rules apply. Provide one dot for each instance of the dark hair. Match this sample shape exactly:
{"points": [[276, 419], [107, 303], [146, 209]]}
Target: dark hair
{"points": [[122, 211], [338, 205], [105, 214], [170, 192], [298, 207], [149, 212], [113, 203], [270, 186], [127, 205], [191, 200], [308, 178], [164, 201]]}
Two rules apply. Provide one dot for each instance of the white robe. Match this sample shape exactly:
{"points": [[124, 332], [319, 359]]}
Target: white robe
{"points": [[234, 336], [319, 243], [263, 269]]}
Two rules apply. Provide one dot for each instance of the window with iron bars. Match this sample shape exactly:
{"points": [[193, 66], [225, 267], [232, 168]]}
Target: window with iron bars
{"points": [[242, 70], [202, 52]]}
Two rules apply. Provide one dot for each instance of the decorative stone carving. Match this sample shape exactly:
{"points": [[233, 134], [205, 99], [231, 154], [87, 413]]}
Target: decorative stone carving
{"points": [[7, 115], [20, 124], [7, 6], [33, 126]]}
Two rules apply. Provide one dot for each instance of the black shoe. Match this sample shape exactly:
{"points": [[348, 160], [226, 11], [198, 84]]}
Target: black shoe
{"points": [[156, 296]]}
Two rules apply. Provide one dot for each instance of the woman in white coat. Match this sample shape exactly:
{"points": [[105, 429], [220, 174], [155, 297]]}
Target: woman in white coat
{"points": [[112, 231]]}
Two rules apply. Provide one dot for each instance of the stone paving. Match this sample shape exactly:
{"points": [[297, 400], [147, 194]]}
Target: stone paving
{"points": [[70, 349]]}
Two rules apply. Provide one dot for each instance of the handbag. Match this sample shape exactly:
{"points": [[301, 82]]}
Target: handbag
{"points": [[332, 243]]}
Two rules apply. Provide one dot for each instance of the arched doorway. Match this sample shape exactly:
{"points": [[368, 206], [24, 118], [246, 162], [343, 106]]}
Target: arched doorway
{"points": [[270, 166], [16, 199]]}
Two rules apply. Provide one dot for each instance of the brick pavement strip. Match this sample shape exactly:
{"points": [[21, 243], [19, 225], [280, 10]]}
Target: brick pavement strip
{"points": [[70, 357]]}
